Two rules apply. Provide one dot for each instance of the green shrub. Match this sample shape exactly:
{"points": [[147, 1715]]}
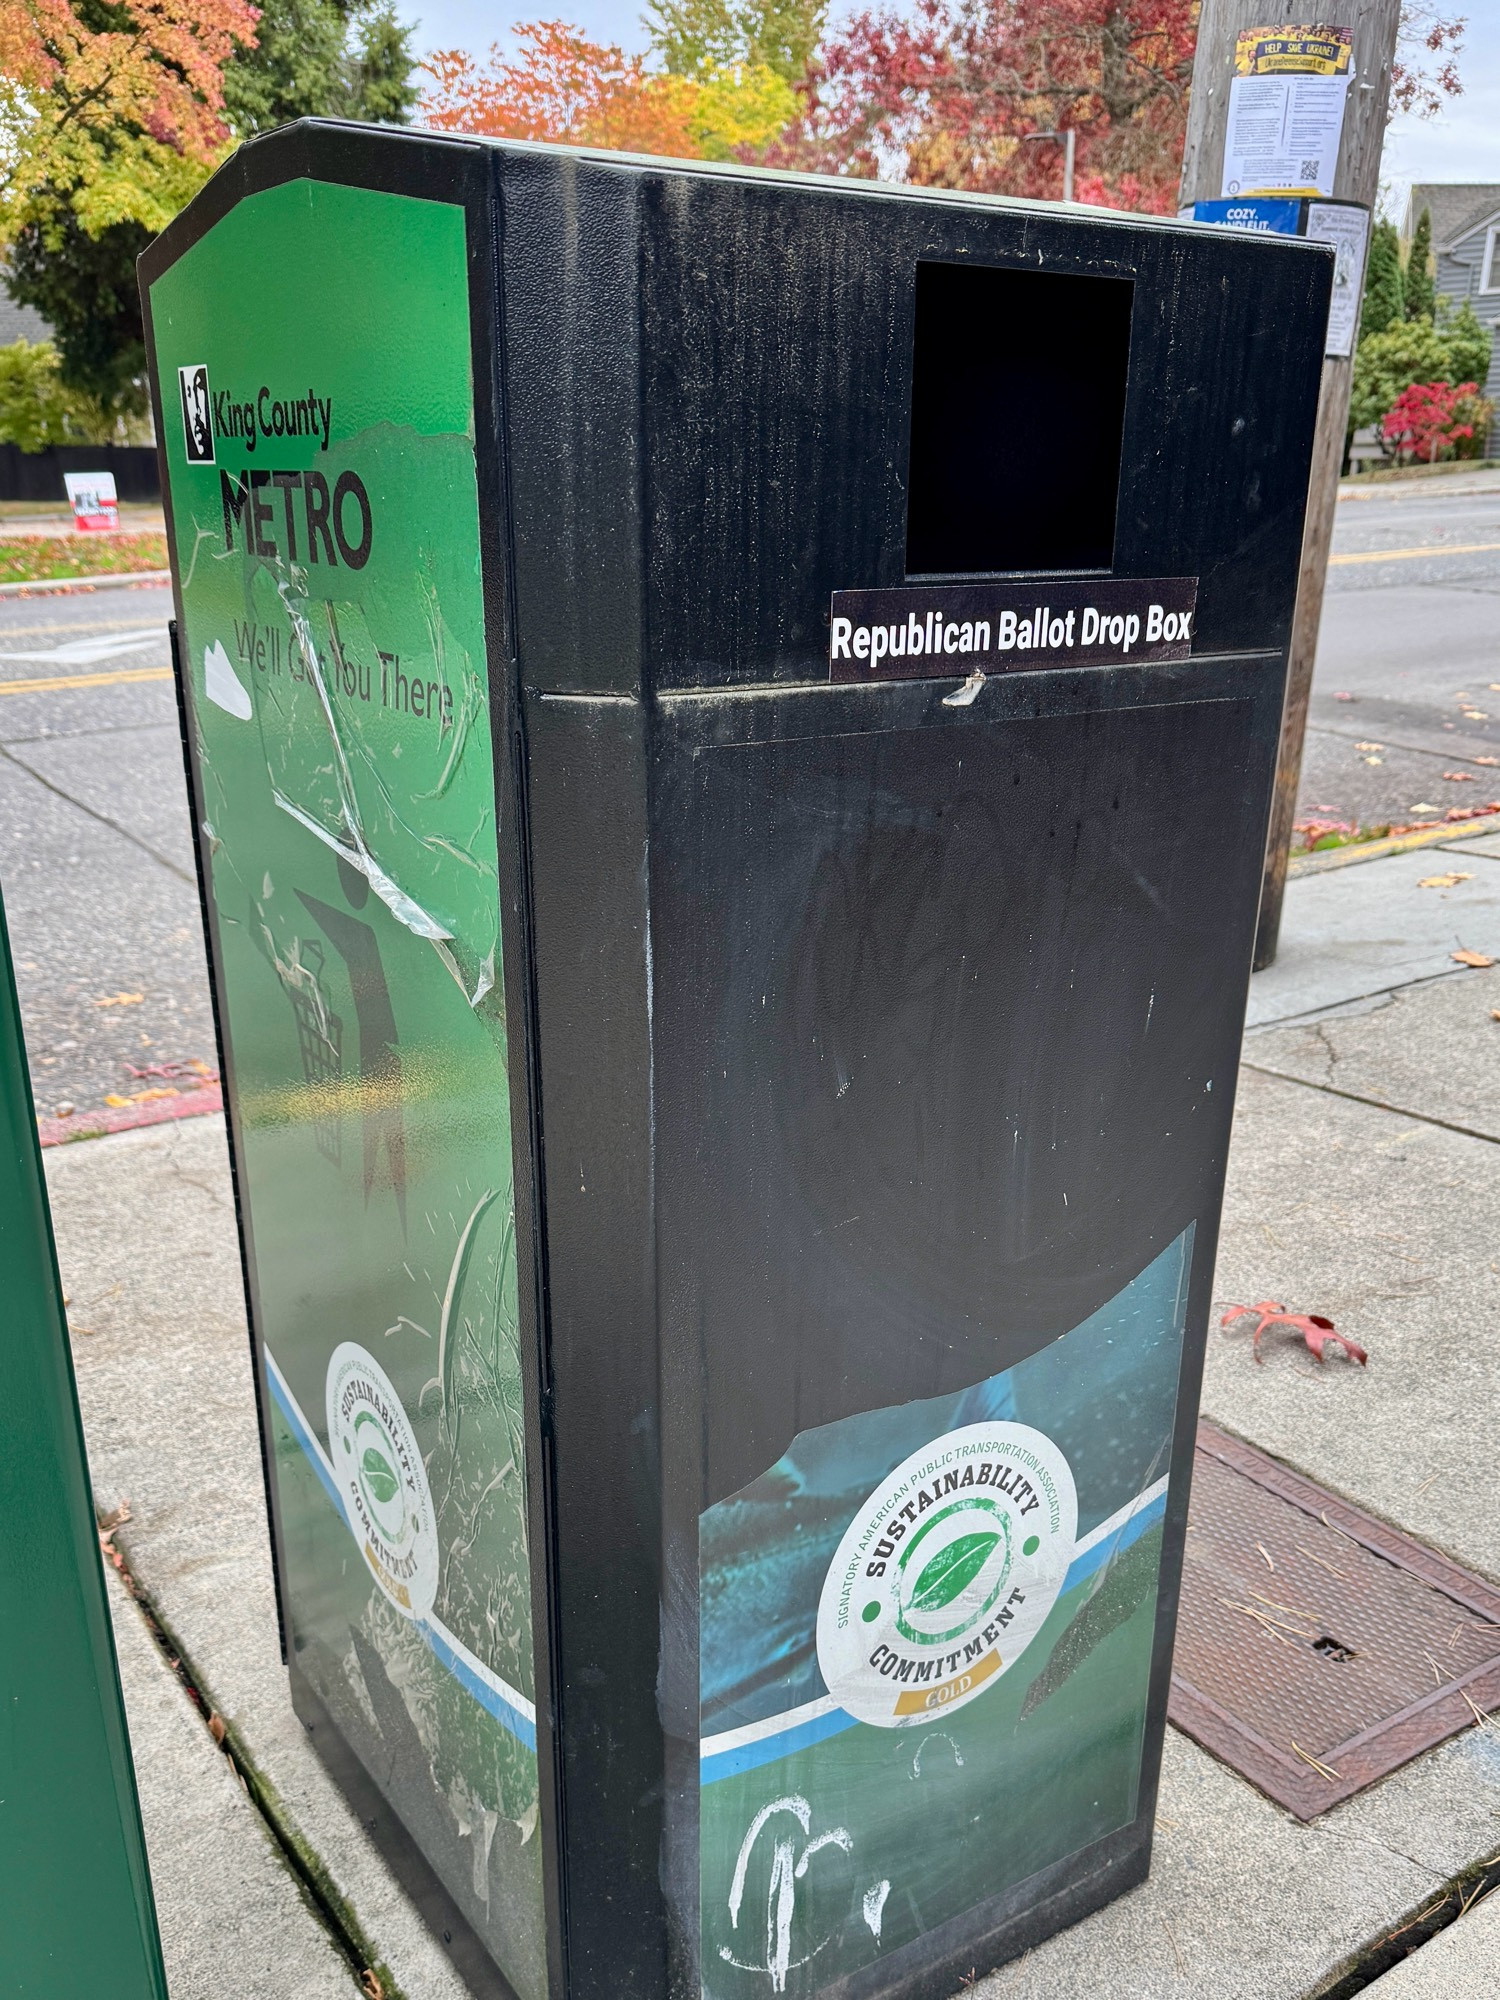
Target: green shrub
{"points": [[37, 409], [1456, 349]]}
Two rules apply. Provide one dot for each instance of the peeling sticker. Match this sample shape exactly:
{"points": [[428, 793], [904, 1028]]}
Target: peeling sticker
{"points": [[223, 685], [401, 906]]}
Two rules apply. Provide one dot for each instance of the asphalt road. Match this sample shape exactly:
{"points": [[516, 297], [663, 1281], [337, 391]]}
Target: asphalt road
{"points": [[96, 860], [96, 863], [1407, 686]]}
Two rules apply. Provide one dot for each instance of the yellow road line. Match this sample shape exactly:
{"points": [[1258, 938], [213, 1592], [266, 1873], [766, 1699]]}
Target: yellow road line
{"points": [[1433, 549], [81, 625], [56, 681]]}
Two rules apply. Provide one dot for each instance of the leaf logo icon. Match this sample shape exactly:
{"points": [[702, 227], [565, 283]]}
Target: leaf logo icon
{"points": [[375, 1468], [952, 1570]]}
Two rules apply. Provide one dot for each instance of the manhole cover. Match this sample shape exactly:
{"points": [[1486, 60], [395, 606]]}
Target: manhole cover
{"points": [[1317, 1648]]}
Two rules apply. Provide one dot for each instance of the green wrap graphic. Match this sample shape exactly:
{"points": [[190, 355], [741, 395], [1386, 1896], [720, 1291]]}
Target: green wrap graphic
{"points": [[318, 409], [925, 1650]]}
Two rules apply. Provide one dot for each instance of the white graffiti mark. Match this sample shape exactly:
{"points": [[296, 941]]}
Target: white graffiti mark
{"points": [[840, 1837], [927, 1743], [792, 1803], [781, 1900], [787, 1869], [875, 1907]]}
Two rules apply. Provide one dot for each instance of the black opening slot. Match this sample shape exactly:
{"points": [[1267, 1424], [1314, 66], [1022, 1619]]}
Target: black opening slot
{"points": [[1018, 409]]}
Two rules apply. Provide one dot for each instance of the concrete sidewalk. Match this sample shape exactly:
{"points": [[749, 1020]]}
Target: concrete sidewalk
{"points": [[1365, 1184]]}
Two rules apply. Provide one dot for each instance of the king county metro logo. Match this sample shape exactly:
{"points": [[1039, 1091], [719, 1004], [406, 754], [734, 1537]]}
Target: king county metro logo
{"points": [[378, 1468], [946, 1574]]}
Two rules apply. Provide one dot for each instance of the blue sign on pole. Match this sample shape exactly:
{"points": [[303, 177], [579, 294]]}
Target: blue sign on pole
{"points": [[1273, 215]]}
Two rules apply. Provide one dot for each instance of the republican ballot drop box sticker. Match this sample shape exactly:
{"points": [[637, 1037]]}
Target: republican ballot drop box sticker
{"points": [[946, 1574]]}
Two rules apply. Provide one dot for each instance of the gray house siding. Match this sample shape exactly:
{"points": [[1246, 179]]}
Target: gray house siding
{"points": [[1464, 218], [19, 322]]}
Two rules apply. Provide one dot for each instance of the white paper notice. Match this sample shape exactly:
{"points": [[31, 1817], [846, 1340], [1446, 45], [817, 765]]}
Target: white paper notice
{"points": [[1347, 227], [1286, 110]]}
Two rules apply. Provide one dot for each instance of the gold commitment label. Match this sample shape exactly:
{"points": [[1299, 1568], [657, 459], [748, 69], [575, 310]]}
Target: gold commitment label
{"points": [[923, 1701]]}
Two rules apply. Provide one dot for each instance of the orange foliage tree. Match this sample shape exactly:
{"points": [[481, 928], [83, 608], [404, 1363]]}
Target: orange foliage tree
{"points": [[560, 86], [118, 102]]}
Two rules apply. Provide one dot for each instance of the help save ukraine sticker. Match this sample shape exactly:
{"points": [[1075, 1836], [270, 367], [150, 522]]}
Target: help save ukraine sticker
{"points": [[946, 1574]]}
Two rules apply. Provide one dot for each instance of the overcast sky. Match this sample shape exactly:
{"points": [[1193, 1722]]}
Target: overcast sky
{"points": [[1461, 144]]}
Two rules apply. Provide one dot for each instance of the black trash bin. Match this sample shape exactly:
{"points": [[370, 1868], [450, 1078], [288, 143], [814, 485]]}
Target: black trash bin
{"points": [[731, 720]]}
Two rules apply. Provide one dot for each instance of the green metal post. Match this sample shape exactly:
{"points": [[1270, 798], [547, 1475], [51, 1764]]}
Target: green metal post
{"points": [[76, 1912]]}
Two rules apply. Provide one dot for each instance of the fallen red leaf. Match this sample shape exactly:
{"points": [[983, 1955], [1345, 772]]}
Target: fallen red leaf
{"points": [[1313, 1327]]}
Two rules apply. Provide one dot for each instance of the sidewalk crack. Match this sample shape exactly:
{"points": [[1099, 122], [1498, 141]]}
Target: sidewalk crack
{"points": [[101, 819], [1373, 1103], [332, 1910]]}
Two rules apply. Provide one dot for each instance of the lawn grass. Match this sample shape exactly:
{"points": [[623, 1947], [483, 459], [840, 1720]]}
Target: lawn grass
{"points": [[51, 558]]}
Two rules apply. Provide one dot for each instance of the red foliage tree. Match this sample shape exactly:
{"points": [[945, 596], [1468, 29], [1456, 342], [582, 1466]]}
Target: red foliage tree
{"points": [[957, 93], [1430, 419]]}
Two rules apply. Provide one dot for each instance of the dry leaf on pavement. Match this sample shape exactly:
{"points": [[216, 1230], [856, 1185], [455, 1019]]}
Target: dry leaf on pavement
{"points": [[1313, 1327], [1475, 958], [1446, 881], [120, 1000]]}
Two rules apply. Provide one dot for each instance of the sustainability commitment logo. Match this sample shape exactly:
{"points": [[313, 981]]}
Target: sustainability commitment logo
{"points": [[946, 1574], [197, 417], [379, 1470]]}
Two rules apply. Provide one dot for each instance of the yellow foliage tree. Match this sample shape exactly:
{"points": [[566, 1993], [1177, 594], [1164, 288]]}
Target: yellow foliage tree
{"points": [[563, 87], [124, 115]]}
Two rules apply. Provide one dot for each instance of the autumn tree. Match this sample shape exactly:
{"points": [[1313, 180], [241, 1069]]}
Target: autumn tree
{"points": [[111, 116], [118, 101], [960, 93], [699, 37], [559, 85], [956, 93], [1425, 71]]}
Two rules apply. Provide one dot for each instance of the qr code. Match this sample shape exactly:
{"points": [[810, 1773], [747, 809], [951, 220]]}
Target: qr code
{"points": [[1310, 169]]}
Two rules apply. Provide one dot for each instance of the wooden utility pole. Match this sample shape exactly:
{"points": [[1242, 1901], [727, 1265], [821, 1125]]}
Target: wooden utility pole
{"points": [[1374, 24]]}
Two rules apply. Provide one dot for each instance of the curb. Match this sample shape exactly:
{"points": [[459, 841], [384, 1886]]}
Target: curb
{"points": [[100, 1124], [1400, 843], [58, 586]]}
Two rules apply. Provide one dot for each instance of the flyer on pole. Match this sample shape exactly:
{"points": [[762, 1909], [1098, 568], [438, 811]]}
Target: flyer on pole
{"points": [[1286, 110]]}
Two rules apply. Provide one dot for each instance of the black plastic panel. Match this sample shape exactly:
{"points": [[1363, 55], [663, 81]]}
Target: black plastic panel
{"points": [[1017, 414]]}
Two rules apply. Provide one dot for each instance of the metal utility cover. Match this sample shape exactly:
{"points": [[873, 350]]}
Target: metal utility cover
{"points": [[1319, 1649]]}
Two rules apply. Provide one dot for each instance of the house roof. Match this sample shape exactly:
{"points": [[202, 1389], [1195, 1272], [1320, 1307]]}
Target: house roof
{"points": [[1456, 206], [19, 322]]}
